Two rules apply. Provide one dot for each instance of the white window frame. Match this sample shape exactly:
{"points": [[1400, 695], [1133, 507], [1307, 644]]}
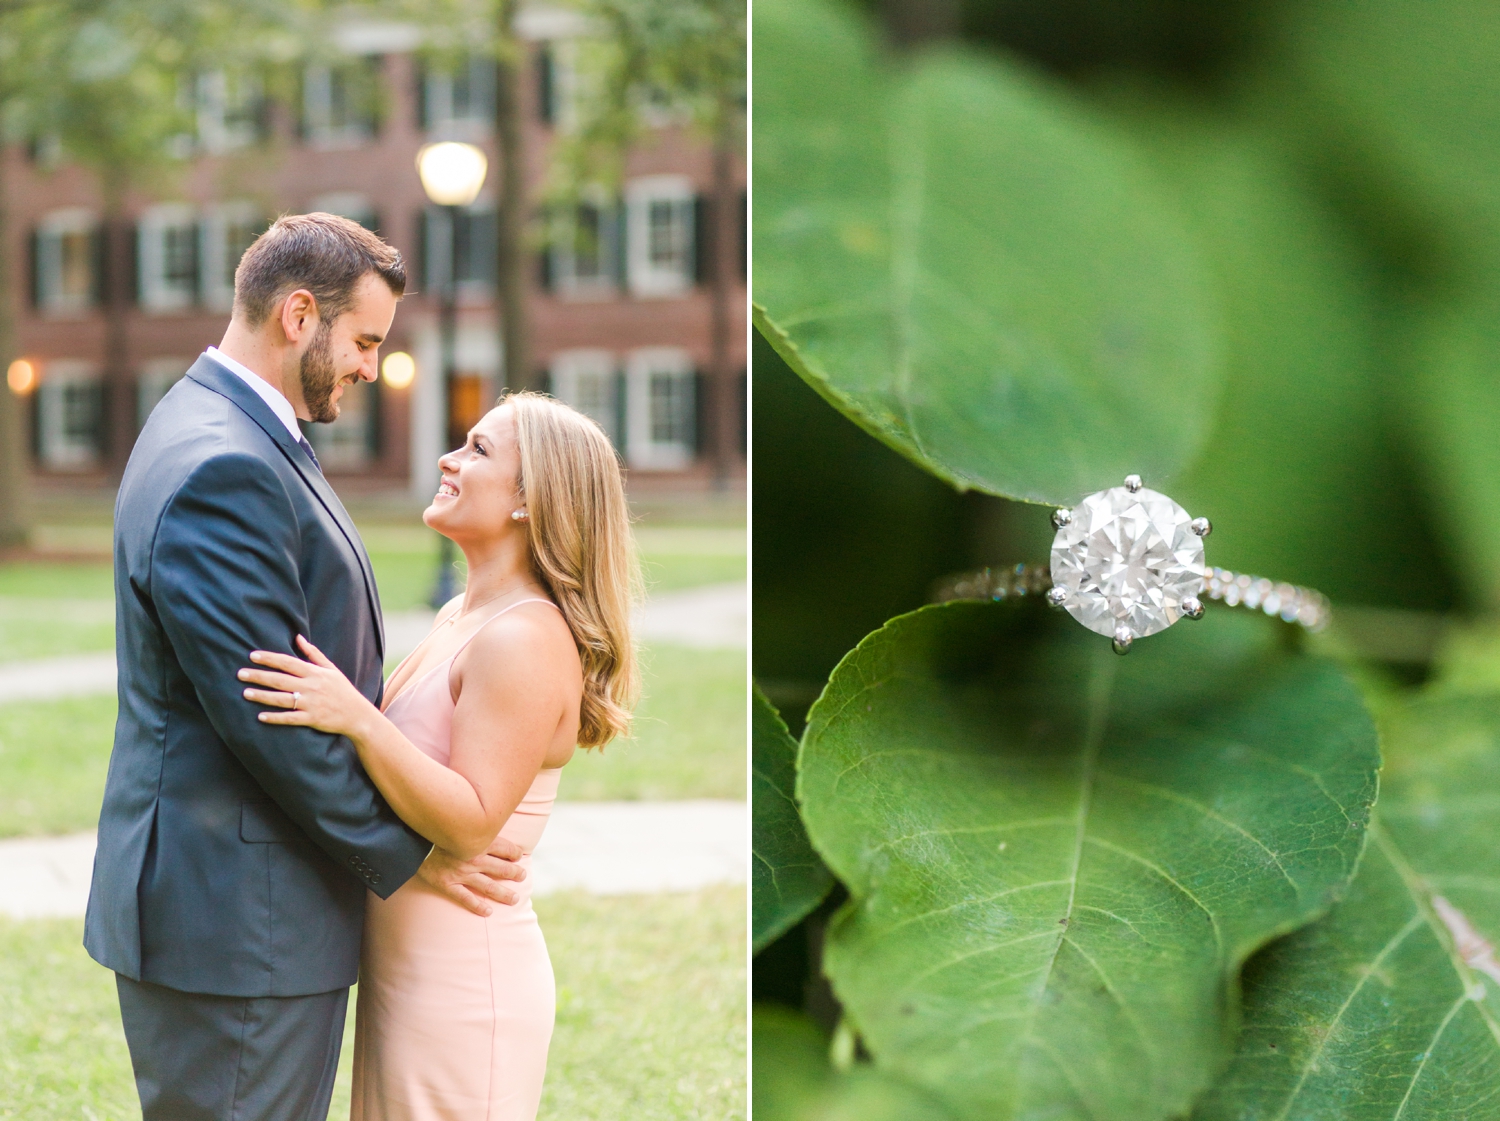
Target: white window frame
{"points": [[442, 122], [53, 227], [217, 259], [317, 111], [153, 379], [58, 449], [564, 255], [643, 448], [647, 278], [587, 378], [157, 294], [352, 205], [214, 101]]}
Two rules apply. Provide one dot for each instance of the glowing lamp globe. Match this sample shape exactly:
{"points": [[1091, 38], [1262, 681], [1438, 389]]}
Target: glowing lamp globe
{"points": [[21, 377], [399, 369], [452, 173]]}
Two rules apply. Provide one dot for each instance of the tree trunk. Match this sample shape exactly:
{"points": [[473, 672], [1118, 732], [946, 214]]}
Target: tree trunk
{"points": [[511, 276], [724, 405], [13, 473]]}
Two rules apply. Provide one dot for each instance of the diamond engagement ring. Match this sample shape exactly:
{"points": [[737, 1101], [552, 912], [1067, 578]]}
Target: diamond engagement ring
{"points": [[1127, 562]]}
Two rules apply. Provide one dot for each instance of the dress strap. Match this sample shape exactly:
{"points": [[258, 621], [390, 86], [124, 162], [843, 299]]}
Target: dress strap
{"points": [[496, 615]]}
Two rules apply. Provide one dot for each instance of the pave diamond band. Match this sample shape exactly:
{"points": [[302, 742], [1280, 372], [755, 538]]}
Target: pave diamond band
{"points": [[1287, 602], [1127, 562]]}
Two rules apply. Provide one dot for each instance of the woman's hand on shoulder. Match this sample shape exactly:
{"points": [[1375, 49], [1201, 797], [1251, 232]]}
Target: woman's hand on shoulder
{"points": [[313, 693]]}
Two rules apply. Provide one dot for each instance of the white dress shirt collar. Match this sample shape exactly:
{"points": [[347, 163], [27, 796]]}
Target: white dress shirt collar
{"points": [[279, 404]]}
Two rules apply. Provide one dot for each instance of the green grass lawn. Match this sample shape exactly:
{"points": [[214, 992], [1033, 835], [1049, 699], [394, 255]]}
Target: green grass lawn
{"points": [[689, 743], [650, 1020]]}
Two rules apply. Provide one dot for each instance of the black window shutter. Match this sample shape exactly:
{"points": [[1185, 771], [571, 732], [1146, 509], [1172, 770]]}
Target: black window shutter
{"points": [[702, 422], [197, 244], [622, 410], [417, 266], [545, 279], [545, 94], [99, 257], [34, 266], [703, 247], [622, 245], [131, 280], [419, 87]]}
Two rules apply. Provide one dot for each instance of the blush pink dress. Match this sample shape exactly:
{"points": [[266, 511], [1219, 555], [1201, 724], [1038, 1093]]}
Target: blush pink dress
{"points": [[455, 1011]]}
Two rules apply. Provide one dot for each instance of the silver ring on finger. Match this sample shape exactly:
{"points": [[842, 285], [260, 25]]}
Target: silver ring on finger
{"points": [[296, 699]]}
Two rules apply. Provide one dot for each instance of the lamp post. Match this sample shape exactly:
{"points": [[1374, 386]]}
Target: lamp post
{"points": [[452, 175]]}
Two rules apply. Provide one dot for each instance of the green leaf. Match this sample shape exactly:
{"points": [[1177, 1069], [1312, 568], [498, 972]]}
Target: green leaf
{"points": [[1058, 859], [789, 880], [969, 265], [793, 1081], [1374, 1012]]}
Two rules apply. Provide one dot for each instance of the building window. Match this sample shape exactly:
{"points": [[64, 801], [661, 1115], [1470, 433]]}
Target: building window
{"points": [[473, 244], [660, 409], [227, 230], [167, 257], [585, 250], [348, 204], [340, 103], [70, 416], [352, 441], [588, 380], [229, 108], [66, 262], [660, 223], [153, 381], [459, 102]]}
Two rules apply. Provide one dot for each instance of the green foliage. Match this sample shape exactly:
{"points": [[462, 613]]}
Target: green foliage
{"points": [[1390, 1007], [1313, 228], [1057, 861], [964, 261], [795, 1082], [788, 880]]}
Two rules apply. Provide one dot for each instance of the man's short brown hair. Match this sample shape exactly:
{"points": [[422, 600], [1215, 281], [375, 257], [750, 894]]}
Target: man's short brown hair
{"points": [[323, 253]]}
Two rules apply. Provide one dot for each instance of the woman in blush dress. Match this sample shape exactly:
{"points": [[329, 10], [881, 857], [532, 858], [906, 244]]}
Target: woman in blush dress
{"points": [[455, 1009]]}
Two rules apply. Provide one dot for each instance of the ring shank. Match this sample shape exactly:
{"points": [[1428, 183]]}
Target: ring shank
{"points": [[1289, 602]]}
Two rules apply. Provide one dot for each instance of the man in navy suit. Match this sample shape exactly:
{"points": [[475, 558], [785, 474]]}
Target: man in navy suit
{"points": [[234, 856]]}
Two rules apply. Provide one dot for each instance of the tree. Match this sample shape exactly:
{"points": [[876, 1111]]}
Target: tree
{"points": [[688, 56]]}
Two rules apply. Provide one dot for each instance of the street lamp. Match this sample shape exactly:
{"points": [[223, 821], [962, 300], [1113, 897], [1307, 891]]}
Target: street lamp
{"points": [[452, 175]]}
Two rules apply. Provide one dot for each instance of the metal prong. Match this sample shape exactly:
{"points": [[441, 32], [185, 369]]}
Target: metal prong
{"points": [[1057, 596], [1061, 517], [1192, 608], [1123, 639], [1133, 483], [1201, 526]]}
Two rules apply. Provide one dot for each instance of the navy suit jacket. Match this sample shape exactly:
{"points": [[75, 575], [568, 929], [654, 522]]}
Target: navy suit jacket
{"points": [[233, 855]]}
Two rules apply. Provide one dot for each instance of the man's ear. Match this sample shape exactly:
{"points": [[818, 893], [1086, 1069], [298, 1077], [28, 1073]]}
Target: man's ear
{"points": [[299, 314]]}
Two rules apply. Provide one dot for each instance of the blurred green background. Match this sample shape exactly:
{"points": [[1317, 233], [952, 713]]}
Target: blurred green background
{"points": [[1338, 169]]}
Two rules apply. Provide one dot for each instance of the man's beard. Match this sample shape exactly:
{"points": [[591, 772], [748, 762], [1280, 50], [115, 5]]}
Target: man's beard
{"points": [[319, 377]]}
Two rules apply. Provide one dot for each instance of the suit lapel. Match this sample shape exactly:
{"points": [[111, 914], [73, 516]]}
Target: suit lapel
{"points": [[211, 375]]}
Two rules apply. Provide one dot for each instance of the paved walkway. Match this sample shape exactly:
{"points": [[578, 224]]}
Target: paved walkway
{"points": [[705, 617], [604, 848]]}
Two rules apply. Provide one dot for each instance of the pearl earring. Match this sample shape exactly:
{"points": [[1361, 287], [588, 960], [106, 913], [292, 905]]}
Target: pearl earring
{"points": [[518, 515]]}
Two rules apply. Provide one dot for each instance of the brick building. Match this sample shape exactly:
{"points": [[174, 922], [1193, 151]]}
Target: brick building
{"points": [[113, 313]]}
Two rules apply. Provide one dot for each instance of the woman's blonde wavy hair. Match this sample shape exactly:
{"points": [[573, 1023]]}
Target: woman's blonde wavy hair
{"points": [[583, 551]]}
